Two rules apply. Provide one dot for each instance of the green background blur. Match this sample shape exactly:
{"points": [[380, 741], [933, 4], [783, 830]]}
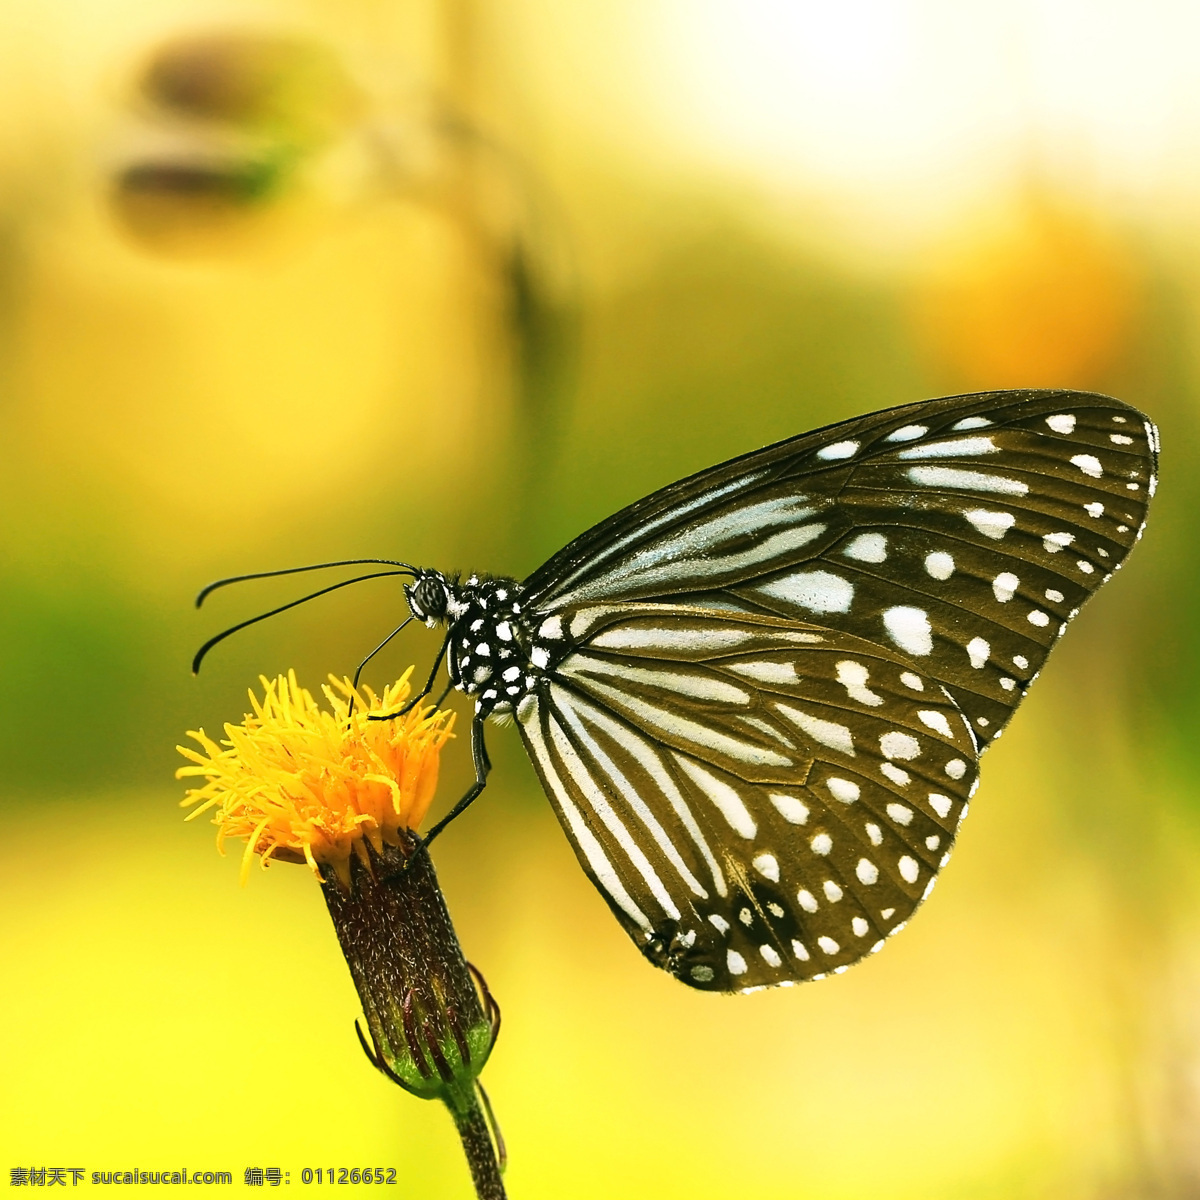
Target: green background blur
{"points": [[450, 281]]}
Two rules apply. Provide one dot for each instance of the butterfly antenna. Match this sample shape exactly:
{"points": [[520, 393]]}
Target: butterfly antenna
{"points": [[205, 592], [220, 637]]}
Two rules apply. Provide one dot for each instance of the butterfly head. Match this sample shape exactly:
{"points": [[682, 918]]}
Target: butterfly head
{"points": [[431, 597]]}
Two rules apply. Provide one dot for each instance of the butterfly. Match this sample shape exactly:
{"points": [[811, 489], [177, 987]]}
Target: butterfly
{"points": [[757, 698]]}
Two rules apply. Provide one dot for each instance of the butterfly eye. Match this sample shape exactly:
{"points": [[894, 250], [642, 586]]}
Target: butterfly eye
{"points": [[427, 598]]}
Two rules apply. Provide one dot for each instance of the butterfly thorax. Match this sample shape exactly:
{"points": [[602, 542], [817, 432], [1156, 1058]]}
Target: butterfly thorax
{"points": [[491, 652]]}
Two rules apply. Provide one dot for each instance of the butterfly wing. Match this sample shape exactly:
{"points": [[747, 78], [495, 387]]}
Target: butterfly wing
{"points": [[964, 533], [760, 801]]}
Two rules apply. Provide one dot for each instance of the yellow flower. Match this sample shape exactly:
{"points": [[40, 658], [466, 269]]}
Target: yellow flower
{"points": [[303, 784]]}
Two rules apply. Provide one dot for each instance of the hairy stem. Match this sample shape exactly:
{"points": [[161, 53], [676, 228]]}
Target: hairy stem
{"points": [[480, 1152]]}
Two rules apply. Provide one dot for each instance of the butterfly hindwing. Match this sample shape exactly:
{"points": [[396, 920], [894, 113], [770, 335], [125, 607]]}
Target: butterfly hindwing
{"points": [[963, 533], [760, 801]]}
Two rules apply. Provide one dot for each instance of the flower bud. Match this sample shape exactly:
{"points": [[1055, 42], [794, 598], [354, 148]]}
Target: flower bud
{"points": [[429, 1031]]}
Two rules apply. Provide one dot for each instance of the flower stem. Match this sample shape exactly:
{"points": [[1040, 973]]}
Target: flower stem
{"points": [[480, 1152], [430, 1028]]}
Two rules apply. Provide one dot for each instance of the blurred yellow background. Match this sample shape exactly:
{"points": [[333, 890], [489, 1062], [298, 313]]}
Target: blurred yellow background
{"points": [[449, 280]]}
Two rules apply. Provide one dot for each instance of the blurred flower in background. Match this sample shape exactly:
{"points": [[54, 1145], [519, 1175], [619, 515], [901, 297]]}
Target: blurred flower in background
{"points": [[270, 286], [237, 114]]}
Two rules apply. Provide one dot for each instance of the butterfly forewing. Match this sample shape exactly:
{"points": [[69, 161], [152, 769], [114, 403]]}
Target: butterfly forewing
{"points": [[760, 801], [963, 533]]}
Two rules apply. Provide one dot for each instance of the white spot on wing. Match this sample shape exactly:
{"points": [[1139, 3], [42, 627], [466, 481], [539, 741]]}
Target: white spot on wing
{"points": [[912, 681], [794, 811], [806, 900], [909, 628], [859, 926], [838, 450], [735, 962], [640, 637], [822, 844], [940, 804], [939, 564], [551, 627], [895, 774], [978, 651], [909, 871], [828, 733], [867, 871], [951, 449], [770, 955], [765, 672], [956, 768], [1039, 618], [1004, 586], [907, 433], [1054, 542], [903, 746], [936, 721], [684, 683], [991, 524], [843, 789], [728, 802], [1063, 423], [828, 945], [1095, 509], [867, 547], [853, 677], [900, 814], [970, 423], [818, 591], [767, 865], [1089, 464], [974, 481]]}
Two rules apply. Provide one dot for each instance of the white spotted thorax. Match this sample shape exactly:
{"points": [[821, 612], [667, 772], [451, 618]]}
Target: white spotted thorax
{"points": [[757, 699], [492, 654]]}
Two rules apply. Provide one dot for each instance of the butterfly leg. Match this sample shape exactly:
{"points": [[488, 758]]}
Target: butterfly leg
{"points": [[437, 666], [483, 766]]}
